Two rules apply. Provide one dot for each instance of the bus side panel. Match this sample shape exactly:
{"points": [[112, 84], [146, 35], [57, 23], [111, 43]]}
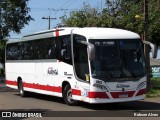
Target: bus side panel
{"points": [[51, 78], [46, 77], [24, 70]]}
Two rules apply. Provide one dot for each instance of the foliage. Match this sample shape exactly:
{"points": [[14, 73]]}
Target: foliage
{"points": [[1, 72], [87, 17], [132, 8], [155, 79], [14, 15], [118, 14], [2, 51], [155, 82], [152, 93], [155, 88]]}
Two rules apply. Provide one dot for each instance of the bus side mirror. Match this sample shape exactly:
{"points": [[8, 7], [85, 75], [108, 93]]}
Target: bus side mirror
{"points": [[153, 48], [91, 51]]}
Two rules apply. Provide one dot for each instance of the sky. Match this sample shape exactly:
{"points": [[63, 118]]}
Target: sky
{"points": [[54, 8]]}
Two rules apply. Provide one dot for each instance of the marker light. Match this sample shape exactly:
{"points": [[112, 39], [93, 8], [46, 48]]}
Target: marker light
{"points": [[101, 87], [141, 85]]}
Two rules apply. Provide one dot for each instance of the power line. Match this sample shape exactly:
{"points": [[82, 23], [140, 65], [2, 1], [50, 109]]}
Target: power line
{"points": [[64, 4], [67, 3], [70, 3], [37, 25]]}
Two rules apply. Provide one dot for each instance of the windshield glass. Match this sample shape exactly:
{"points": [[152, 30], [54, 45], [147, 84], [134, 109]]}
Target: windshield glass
{"points": [[118, 59]]}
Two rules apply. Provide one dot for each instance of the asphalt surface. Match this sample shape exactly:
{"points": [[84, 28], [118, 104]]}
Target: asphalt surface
{"points": [[50, 107]]}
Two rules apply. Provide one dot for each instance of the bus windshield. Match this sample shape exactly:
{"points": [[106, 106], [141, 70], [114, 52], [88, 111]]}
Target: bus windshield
{"points": [[118, 59]]}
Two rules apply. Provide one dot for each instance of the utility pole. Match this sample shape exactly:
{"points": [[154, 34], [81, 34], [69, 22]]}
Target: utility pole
{"points": [[49, 21], [147, 49]]}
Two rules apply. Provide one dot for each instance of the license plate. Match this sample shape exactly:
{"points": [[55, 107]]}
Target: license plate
{"points": [[123, 96]]}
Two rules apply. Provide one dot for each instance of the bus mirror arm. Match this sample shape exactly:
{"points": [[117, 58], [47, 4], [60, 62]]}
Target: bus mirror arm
{"points": [[153, 48], [91, 49]]}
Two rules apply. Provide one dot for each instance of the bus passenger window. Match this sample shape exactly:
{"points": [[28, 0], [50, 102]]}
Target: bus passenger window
{"points": [[51, 52], [65, 49]]}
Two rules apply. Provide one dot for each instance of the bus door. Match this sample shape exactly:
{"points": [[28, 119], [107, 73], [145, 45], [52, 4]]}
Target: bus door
{"points": [[80, 63]]}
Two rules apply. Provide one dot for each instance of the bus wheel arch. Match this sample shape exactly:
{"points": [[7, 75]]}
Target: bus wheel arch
{"points": [[20, 87], [67, 94]]}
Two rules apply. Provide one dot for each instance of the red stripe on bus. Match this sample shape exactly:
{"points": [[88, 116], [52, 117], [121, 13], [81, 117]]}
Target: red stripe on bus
{"points": [[141, 92], [121, 94], [76, 92], [97, 95], [43, 87], [11, 82], [57, 32], [37, 86]]}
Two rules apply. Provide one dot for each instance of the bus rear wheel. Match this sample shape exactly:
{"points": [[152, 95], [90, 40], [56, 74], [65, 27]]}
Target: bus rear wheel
{"points": [[67, 95], [21, 89]]}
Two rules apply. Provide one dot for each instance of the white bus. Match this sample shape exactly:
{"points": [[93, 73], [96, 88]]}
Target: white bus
{"points": [[94, 65]]}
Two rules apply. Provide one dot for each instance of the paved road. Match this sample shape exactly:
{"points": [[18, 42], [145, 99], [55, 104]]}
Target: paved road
{"points": [[48, 105]]}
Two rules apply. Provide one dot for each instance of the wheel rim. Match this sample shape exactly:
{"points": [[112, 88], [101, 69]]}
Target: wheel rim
{"points": [[21, 88], [69, 95]]}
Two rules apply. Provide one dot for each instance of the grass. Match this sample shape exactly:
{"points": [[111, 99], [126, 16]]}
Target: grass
{"points": [[153, 93], [155, 88], [155, 83]]}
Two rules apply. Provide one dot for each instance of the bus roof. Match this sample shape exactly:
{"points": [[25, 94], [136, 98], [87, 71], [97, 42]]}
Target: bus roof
{"points": [[88, 32], [106, 33]]}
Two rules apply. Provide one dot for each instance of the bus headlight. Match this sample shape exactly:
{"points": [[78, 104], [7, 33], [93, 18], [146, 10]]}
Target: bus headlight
{"points": [[101, 87], [141, 85]]}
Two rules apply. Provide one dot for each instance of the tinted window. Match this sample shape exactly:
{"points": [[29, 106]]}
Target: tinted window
{"points": [[48, 48], [31, 50]]}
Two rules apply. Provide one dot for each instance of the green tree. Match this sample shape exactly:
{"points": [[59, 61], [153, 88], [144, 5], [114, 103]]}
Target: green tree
{"points": [[14, 16], [2, 55], [130, 8], [86, 17]]}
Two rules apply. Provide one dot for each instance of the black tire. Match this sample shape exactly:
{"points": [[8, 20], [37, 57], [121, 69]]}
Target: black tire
{"points": [[21, 90], [67, 95]]}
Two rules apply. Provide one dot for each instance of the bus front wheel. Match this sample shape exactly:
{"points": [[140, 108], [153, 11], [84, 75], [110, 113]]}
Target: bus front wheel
{"points": [[21, 89], [67, 95]]}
